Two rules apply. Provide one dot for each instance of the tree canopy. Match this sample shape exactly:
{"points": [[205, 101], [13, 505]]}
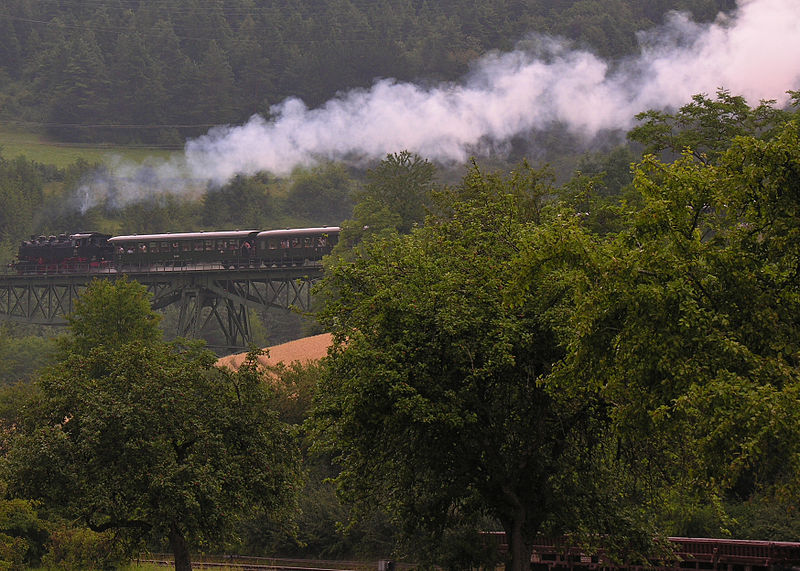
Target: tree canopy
{"points": [[131, 433], [442, 401], [489, 358], [690, 324], [708, 126]]}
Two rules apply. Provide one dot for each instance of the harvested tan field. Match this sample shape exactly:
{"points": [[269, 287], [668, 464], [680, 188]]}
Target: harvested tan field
{"points": [[302, 350]]}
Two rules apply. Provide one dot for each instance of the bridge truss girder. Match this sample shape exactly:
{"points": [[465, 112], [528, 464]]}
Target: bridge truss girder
{"points": [[205, 298]]}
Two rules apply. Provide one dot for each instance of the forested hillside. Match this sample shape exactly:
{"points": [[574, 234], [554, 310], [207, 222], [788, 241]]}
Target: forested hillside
{"points": [[157, 72]]}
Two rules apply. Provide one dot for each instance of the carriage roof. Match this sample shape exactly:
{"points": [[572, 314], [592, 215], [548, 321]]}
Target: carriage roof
{"points": [[299, 232], [185, 236]]}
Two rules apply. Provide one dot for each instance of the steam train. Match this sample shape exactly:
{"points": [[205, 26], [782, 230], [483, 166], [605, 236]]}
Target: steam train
{"points": [[97, 252]]}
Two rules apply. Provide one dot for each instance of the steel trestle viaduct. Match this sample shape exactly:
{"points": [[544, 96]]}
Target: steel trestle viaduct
{"points": [[206, 296]]}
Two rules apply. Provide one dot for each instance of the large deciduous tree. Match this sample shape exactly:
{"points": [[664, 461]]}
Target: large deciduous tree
{"points": [[132, 433], [692, 325], [442, 400]]}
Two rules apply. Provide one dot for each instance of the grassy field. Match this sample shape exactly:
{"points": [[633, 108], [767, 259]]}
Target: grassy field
{"points": [[39, 148]]}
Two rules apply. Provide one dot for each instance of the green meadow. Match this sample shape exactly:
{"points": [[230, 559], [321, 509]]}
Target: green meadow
{"points": [[38, 147]]}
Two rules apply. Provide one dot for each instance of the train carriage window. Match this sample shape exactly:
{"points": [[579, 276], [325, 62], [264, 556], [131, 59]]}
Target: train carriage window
{"points": [[186, 246], [221, 245], [273, 244], [308, 242], [208, 245], [154, 247], [198, 245]]}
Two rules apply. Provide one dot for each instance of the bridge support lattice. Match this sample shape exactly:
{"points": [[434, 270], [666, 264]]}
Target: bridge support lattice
{"points": [[205, 298]]}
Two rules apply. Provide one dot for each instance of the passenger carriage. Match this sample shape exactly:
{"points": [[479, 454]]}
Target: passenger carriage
{"points": [[295, 247], [224, 249]]}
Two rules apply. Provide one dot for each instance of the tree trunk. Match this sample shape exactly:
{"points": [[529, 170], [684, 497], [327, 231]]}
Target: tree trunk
{"points": [[180, 551], [514, 523], [518, 550]]}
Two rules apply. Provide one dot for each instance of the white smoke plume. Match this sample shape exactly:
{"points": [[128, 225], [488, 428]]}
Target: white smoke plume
{"points": [[754, 52]]}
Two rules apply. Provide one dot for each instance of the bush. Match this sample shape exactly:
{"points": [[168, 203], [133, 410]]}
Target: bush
{"points": [[12, 552], [82, 548], [22, 534]]}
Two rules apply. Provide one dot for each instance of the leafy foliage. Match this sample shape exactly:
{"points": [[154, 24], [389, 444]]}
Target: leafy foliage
{"points": [[690, 324], [21, 191], [706, 126], [23, 534], [395, 198], [82, 548], [441, 401], [22, 355], [113, 315], [142, 436], [242, 203], [323, 194]]}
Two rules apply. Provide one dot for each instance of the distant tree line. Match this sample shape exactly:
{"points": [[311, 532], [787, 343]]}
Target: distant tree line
{"points": [[156, 73]]}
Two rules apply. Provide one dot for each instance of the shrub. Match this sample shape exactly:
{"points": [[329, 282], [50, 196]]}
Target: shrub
{"points": [[82, 548], [22, 534]]}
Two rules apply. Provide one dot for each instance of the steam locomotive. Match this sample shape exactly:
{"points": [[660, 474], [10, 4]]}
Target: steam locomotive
{"points": [[94, 252]]}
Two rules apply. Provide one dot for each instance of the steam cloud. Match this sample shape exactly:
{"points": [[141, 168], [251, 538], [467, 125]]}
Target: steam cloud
{"points": [[755, 52]]}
